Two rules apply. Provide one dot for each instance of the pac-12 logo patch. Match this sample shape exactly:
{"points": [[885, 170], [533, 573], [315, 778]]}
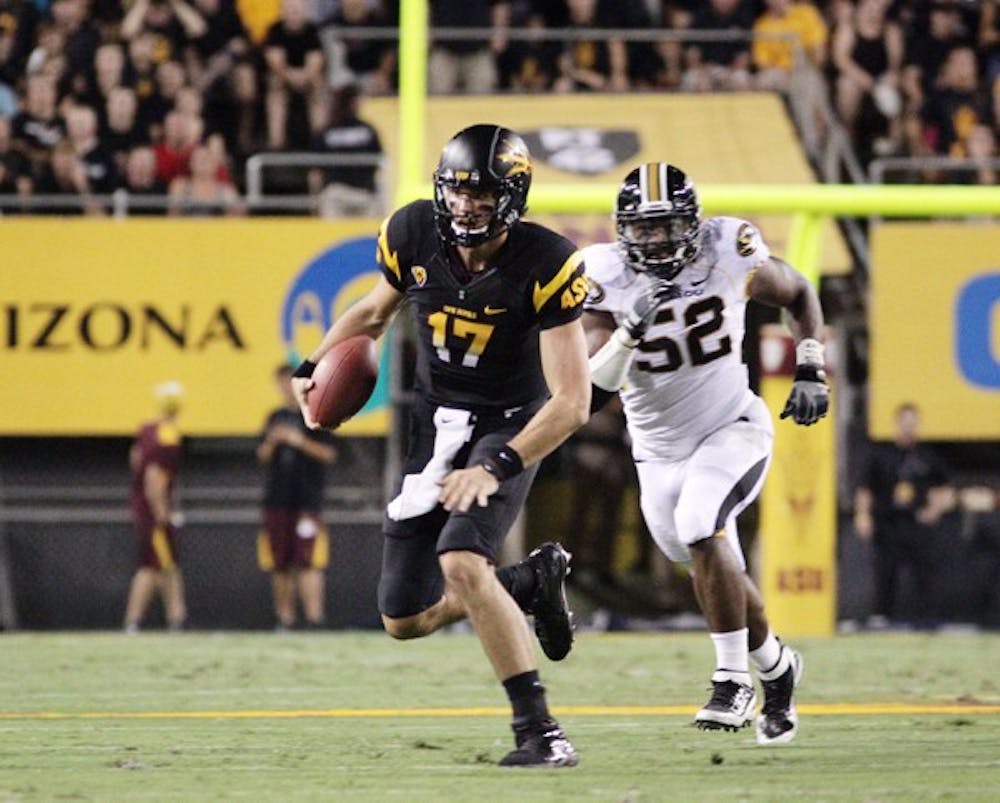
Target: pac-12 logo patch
{"points": [[419, 275]]}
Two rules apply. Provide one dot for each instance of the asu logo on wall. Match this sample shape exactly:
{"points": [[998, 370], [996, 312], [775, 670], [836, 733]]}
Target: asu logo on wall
{"points": [[327, 286]]}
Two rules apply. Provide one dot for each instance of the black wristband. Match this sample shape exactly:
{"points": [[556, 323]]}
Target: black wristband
{"points": [[806, 372], [504, 463], [305, 370]]}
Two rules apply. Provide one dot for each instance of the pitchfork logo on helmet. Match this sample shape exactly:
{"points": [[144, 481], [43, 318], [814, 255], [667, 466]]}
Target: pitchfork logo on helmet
{"points": [[658, 219], [483, 159]]}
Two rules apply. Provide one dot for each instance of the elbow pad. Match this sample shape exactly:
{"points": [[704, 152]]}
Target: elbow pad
{"points": [[609, 365]]}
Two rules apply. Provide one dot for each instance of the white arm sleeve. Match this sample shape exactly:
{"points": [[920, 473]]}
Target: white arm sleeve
{"points": [[609, 365]]}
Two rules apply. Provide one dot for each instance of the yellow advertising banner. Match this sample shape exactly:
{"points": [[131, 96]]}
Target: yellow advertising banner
{"points": [[935, 328], [588, 137], [798, 522], [93, 314]]}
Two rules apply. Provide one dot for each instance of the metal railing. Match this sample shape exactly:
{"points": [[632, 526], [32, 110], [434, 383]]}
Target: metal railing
{"points": [[878, 169], [256, 164]]}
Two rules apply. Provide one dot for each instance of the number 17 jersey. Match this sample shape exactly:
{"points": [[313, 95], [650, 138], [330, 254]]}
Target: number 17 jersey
{"points": [[687, 377], [477, 340]]}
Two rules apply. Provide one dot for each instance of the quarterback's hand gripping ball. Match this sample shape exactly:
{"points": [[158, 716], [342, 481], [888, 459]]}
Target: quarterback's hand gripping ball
{"points": [[343, 381]]}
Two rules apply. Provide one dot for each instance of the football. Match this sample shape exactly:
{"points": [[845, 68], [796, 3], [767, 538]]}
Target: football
{"points": [[345, 378]]}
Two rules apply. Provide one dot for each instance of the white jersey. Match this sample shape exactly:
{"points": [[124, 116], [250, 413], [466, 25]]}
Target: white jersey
{"points": [[687, 377]]}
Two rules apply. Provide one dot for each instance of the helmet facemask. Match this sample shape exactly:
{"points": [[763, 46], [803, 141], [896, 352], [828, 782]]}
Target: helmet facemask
{"points": [[486, 212], [659, 244]]}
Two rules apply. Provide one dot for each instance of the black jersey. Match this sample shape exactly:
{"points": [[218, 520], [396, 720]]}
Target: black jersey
{"points": [[478, 340]]}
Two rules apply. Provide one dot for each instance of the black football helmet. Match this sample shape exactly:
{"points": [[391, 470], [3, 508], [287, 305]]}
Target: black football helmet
{"points": [[483, 157], [658, 218]]}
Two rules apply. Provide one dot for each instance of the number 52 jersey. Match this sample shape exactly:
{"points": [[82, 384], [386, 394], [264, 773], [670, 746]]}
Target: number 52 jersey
{"points": [[687, 377]]}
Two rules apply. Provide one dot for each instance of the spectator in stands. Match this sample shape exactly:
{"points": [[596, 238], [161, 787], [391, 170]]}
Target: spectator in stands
{"points": [[81, 40], [467, 65], [245, 133], [989, 40], [903, 491], [17, 38], [38, 128], [927, 47], [203, 193], [139, 178], [122, 131], [531, 65], [96, 161], [867, 52], [173, 23], [295, 79], [773, 56], [645, 63], [347, 191], [223, 43], [181, 133], [141, 74], [720, 65], [293, 544], [954, 106], [981, 146], [15, 172], [369, 62], [775, 61], [109, 72], [674, 16], [64, 174], [170, 79], [48, 56], [599, 65], [191, 101], [154, 460]]}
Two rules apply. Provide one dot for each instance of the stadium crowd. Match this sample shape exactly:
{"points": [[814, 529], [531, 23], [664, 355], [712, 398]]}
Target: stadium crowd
{"points": [[170, 97]]}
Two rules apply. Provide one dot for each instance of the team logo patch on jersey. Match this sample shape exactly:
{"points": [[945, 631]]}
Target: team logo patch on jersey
{"points": [[746, 240], [581, 150], [419, 275], [595, 293]]}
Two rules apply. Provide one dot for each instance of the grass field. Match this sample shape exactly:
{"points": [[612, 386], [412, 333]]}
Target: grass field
{"points": [[356, 716]]}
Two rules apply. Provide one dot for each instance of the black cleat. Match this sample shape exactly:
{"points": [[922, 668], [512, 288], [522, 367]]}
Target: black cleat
{"points": [[541, 745], [730, 708], [778, 721], [553, 618]]}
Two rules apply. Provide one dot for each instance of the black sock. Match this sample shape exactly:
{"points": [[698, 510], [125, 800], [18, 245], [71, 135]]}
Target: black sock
{"points": [[519, 580], [527, 698]]}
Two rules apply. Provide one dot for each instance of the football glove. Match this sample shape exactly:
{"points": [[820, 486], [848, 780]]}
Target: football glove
{"points": [[810, 396], [643, 311]]}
